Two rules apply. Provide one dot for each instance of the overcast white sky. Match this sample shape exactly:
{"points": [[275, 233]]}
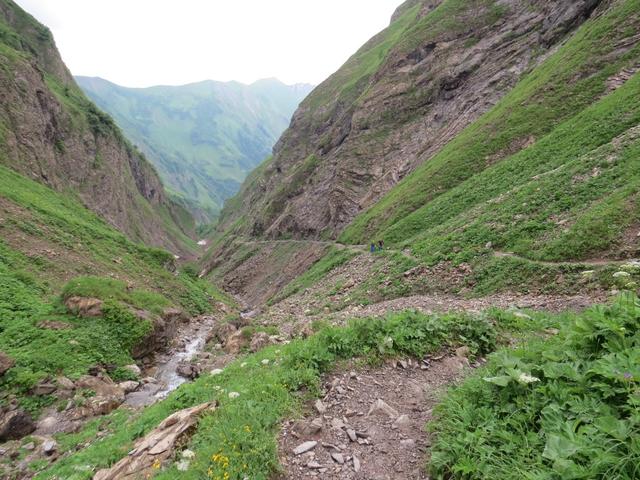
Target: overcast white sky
{"points": [[139, 43]]}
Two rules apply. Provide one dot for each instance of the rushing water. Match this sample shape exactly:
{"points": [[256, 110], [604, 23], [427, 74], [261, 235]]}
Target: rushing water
{"points": [[167, 377]]}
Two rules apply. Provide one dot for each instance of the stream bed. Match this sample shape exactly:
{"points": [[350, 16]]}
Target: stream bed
{"points": [[166, 378]]}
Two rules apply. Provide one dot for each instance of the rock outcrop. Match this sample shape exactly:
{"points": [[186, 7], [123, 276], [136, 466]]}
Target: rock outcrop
{"points": [[156, 447]]}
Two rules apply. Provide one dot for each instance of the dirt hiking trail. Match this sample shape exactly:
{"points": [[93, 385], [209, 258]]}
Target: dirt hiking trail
{"points": [[370, 423]]}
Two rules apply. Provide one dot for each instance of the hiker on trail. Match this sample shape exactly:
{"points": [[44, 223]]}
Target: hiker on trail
{"points": [[373, 248], [381, 245]]}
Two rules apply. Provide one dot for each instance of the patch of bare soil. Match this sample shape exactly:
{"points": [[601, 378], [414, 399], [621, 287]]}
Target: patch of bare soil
{"points": [[370, 424]]}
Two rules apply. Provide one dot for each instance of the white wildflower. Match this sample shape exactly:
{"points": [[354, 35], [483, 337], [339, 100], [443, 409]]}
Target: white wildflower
{"points": [[243, 364], [525, 378], [216, 371], [183, 465], [265, 361], [621, 274], [234, 394], [188, 454]]}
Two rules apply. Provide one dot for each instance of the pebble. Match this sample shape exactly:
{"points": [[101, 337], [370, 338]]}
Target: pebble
{"points": [[379, 406], [49, 447], [320, 407], [338, 458], [356, 463], [352, 435], [401, 422], [305, 447]]}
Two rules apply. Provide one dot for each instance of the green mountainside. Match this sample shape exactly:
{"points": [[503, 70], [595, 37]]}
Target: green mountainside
{"points": [[204, 138], [547, 174], [50, 132]]}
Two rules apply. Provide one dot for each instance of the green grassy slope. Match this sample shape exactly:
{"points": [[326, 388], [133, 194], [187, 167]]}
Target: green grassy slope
{"points": [[204, 137], [553, 119], [49, 240]]}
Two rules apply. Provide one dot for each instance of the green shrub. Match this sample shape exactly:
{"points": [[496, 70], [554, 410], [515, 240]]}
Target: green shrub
{"points": [[558, 408]]}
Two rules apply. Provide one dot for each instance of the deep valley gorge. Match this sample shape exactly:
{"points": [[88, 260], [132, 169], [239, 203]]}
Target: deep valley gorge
{"points": [[425, 267]]}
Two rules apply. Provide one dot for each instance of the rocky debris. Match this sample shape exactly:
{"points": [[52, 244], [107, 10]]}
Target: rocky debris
{"points": [[259, 341], [389, 443], [308, 428], [156, 447], [106, 396], [84, 307], [304, 447], [6, 362], [65, 383], [320, 406], [338, 458], [54, 325], [402, 421], [236, 342], [221, 332], [44, 388], [15, 424]]}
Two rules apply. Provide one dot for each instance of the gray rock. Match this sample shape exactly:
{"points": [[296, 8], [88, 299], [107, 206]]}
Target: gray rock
{"points": [[320, 407], [44, 388], [356, 463], [49, 447], [304, 447], [403, 421], [64, 382], [15, 425], [338, 458], [351, 433], [380, 407], [129, 386]]}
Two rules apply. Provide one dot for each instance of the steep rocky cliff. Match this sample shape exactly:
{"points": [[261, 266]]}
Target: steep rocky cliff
{"points": [[50, 132], [404, 95]]}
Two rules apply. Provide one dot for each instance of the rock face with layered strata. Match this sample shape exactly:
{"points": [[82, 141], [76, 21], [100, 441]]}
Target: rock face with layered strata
{"points": [[394, 104]]}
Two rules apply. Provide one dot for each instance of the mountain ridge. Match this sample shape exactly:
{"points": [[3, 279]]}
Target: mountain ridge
{"points": [[204, 137]]}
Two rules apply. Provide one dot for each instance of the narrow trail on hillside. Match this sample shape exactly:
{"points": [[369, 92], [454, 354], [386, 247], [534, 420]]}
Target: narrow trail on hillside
{"points": [[369, 424], [595, 262]]}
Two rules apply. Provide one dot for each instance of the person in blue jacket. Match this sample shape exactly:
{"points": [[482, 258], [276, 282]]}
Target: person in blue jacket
{"points": [[373, 248]]}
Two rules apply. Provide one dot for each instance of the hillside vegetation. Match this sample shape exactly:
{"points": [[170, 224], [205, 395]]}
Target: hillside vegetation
{"points": [[53, 248], [204, 138]]}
